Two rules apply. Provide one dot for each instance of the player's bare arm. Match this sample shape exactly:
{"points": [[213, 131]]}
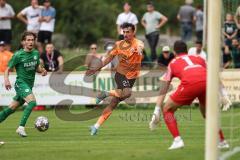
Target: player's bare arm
{"points": [[6, 79], [41, 70], [107, 60]]}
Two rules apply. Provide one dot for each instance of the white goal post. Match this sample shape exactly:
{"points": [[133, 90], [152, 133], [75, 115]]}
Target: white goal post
{"points": [[214, 8]]}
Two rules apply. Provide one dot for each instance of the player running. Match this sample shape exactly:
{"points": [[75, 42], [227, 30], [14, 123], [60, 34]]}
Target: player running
{"points": [[26, 63], [129, 52], [191, 70]]}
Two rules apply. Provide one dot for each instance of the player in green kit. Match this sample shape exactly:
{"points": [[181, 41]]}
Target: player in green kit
{"points": [[26, 63]]}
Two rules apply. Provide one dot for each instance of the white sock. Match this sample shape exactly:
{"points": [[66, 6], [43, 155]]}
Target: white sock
{"points": [[178, 138], [157, 110], [21, 127], [96, 125]]}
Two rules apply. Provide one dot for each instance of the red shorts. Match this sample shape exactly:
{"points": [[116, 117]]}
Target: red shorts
{"points": [[185, 94]]}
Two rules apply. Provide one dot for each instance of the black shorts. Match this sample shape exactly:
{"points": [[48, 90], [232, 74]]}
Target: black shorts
{"points": [[6, 36], [45, 37], [122, 81]]}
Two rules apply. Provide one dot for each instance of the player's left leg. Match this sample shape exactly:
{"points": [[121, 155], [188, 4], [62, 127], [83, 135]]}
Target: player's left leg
{"points": [[104, 94], [222, 142], [124, 93], [31, 101]]}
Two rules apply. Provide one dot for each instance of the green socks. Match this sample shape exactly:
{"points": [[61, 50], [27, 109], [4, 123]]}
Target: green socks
{"points": [[26, 113], [5, 113]]}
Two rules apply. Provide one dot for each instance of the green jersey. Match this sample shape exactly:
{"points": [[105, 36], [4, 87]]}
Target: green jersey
{"points": [[26, 64]]}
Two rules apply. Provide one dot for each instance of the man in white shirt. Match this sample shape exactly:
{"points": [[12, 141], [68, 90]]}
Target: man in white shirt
{"points": [[198, 50], [126, 17], [30, 16], [6, 14], [47, 20]]}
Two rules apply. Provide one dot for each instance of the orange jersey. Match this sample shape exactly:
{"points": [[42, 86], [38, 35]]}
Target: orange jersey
{"points": [[129, 56], [5, 56]]}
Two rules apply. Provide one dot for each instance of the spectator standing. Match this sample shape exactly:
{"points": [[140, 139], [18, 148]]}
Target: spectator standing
{"points": [[198, 50], [52, 59], [199, 23], [235, 53], [6, 14], [237, 21], [30, 16], [165, 57], [5, 56], [47, 23], [186, 18], [230, 30], [152, 21], [126, 17]]}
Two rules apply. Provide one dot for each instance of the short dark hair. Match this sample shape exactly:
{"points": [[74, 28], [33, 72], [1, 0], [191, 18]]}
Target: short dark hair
{"points": [[180, 47], [128, 3], [127, 25], [198, 42], [28, 33], [150, 3]]}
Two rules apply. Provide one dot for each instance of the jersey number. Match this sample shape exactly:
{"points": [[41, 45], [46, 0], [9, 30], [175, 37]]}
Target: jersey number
{"points": [[190, 64]]}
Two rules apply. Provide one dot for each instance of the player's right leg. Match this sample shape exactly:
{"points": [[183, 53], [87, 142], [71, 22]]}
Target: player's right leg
{"points": [[9, 110], [168, 114], [184, 95], [226, 103], [105, 115]]}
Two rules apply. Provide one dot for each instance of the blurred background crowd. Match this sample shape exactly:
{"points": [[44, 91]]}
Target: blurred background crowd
{"points": [[67, 28]]}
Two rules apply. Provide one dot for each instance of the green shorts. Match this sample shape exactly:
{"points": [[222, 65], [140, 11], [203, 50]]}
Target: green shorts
{"points": [[22, 91]]}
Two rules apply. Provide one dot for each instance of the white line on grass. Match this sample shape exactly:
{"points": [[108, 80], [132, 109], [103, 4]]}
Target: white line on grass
{"points": [[228, 154]]}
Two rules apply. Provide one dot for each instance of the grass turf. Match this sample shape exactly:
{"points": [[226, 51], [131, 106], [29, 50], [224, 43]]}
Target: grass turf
{"points": [[124, 136]]}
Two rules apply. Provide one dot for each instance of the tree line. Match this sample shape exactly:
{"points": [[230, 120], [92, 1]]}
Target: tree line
{"points": [[86, 21]]}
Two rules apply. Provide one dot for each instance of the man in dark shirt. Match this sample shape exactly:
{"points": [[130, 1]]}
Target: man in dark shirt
{"points": [[226, 58], [52, 59], [165, 57], [236, 53]]}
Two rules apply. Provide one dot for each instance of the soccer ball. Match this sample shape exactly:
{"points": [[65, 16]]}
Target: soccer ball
{"points": [[42, 123]]}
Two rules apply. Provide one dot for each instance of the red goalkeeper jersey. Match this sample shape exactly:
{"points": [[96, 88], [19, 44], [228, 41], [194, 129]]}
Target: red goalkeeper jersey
{"points": [[189, 69]]}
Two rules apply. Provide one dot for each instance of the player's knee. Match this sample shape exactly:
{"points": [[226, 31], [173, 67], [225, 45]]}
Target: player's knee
{"points": [[115, 100], [13, 106], [32, 104], [125, 96]]}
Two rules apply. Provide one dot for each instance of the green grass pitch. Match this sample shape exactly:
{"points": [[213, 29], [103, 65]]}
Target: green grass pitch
{"points": [[124, 136]]}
